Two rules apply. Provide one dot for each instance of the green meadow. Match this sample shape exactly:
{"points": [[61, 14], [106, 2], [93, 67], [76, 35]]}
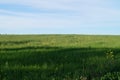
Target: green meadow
{"points": [[59, 57]]}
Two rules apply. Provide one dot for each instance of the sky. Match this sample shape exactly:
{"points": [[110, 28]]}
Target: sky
{"points": [[60, 17]]}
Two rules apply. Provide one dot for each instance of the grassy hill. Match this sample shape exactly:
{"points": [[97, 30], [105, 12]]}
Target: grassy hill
{"points": [[59, 57]]}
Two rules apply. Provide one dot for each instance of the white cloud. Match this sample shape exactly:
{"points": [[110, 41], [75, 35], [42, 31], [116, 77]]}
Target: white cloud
{"points": [[83, 13], [29, 22], [56, 4]]}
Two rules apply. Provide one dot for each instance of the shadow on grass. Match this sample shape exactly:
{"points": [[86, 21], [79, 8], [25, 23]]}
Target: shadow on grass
{"points": [[30, 48], [55, 55], [58, 62]]}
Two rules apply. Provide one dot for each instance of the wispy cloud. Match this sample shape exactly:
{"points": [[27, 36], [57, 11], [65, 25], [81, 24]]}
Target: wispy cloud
{"points": [[65, 14]]}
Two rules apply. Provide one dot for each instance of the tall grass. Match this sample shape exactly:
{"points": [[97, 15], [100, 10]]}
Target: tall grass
{"points": [[58, 57]]}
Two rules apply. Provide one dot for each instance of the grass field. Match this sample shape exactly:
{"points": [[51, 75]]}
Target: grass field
{"points": [[59, 57]]}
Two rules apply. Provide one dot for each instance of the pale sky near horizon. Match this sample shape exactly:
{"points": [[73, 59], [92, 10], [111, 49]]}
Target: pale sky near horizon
{"points": [[60, 17]]}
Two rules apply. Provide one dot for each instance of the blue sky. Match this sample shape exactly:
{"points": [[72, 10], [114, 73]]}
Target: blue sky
{"points": [[60, 16]]}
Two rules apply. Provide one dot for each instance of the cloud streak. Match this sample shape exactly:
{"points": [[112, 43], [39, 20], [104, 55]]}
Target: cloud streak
{"points": [[56, 14]]}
